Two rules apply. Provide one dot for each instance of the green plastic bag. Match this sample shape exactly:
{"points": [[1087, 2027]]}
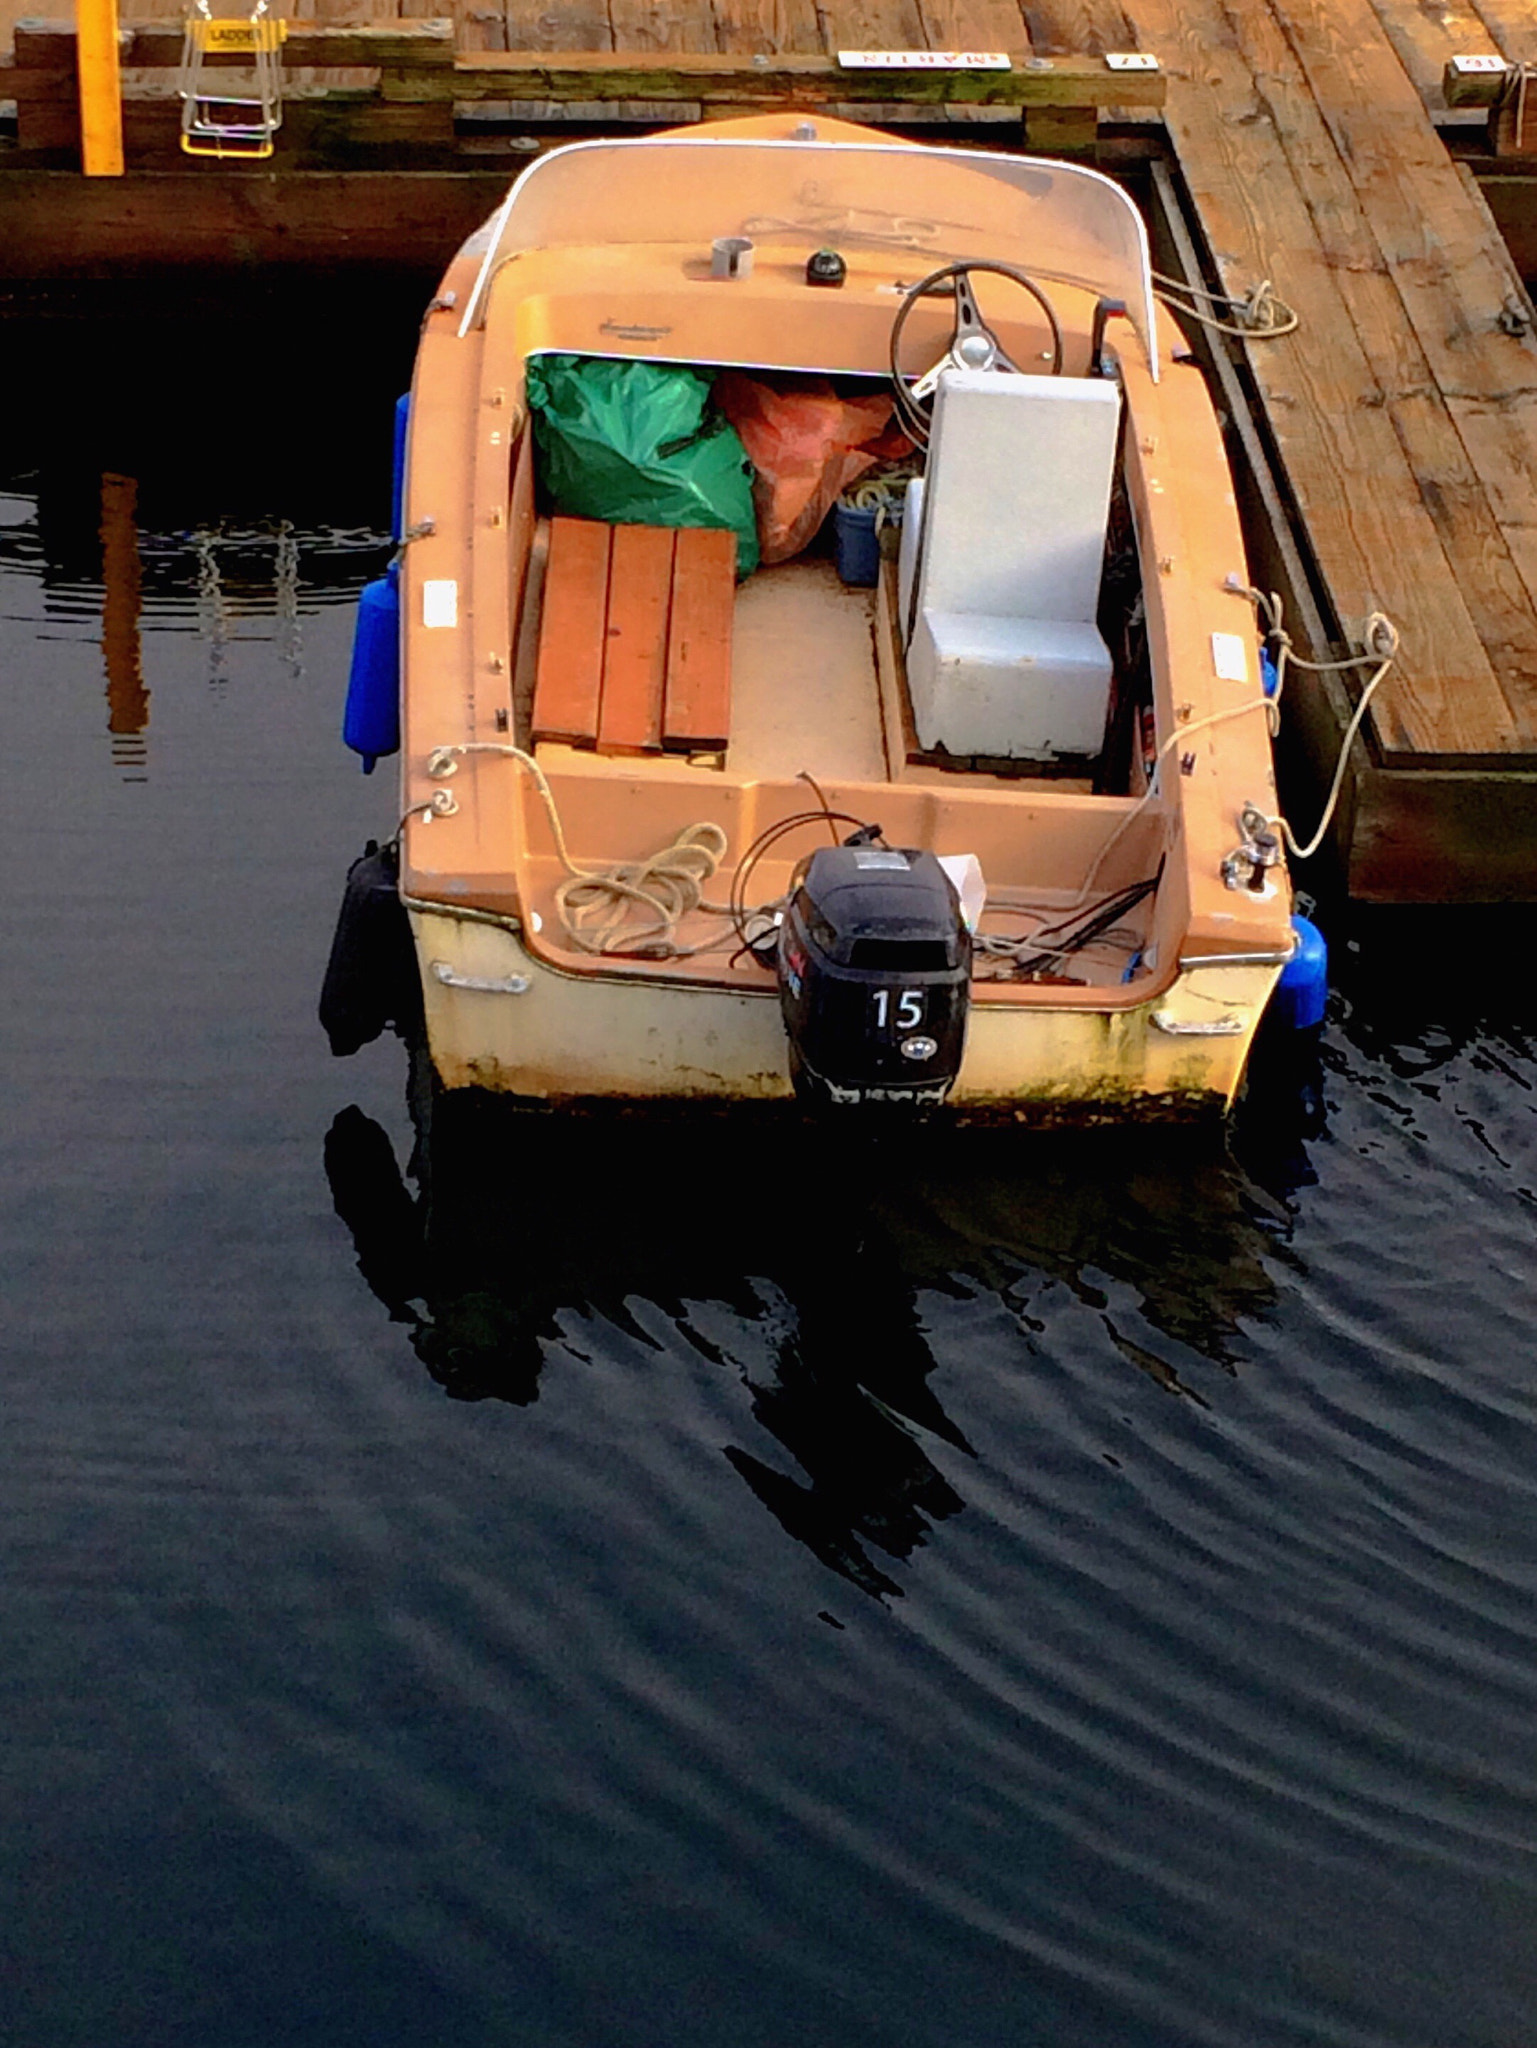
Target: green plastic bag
{"points": [[639, 444]]}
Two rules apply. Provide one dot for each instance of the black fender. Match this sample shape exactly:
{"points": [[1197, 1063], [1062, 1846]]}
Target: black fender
{"points": [[371, 977]]}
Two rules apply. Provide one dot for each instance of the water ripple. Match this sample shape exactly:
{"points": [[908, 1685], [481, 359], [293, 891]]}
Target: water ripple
{"points": [[965, 1592]]}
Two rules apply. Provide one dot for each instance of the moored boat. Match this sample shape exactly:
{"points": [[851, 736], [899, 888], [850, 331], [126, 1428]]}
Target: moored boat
{"points": [[993, 830]]}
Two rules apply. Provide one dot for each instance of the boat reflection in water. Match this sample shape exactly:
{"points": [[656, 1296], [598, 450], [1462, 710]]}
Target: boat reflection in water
{"points": [[522, 1215]]}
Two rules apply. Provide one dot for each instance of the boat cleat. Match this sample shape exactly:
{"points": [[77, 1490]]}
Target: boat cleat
{"points": [[1259, 850]]}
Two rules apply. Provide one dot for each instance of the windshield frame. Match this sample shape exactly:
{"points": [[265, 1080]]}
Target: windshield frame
{"points": [[1072, 177]]}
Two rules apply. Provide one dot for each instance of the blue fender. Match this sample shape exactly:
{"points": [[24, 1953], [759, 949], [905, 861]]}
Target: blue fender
{"points": [[398, 472], [371, 721], [1303, 989]]}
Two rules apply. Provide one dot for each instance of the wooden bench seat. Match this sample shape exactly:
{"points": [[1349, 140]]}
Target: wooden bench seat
{"points": [[635, 638]]}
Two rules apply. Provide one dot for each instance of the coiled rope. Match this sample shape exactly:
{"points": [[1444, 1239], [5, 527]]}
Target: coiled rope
{"points": [[597, 906]]}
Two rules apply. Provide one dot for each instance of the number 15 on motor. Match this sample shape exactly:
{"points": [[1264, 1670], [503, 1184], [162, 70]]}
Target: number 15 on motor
{"points": [[909, 1007]]}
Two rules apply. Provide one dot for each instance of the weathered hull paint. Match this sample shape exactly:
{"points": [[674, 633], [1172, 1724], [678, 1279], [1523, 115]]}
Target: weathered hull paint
{"points": [[573, 1038]]}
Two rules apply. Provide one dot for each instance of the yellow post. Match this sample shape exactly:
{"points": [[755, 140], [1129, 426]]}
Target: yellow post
{"points": [[101, 89]]}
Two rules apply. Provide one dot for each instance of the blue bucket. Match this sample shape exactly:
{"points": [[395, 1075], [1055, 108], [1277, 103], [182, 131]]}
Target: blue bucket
{"points": [[857, 544]]}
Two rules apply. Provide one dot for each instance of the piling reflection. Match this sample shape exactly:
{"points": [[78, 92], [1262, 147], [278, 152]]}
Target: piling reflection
{"points": [[122, 588], [826, 1240]]}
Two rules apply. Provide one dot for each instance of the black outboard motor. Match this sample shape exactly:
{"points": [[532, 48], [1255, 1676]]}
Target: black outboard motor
{"points": [[874, 977]]}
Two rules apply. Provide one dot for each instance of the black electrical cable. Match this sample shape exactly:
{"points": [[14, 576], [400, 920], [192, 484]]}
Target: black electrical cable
{"points": [[1070, 935], [1116, 902], [1092, 920], [1085, 933], [736, 899]]}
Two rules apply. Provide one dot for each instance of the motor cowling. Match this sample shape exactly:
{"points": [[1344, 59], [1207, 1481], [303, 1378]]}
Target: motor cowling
{"points": [[874, 977]]}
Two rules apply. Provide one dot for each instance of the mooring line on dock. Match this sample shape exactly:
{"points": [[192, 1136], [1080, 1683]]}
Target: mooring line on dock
{"points": [[1380, 644]]}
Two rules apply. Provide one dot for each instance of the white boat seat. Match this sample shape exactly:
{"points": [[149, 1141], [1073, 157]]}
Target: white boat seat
{"points": [[1005, 659], [1026, 687]]}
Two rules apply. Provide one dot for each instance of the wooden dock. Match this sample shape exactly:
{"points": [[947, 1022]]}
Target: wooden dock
{"points": [[1388, 447]]}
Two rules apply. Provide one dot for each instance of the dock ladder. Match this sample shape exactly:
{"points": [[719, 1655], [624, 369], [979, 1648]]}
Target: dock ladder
{"points": [[231, 123]]}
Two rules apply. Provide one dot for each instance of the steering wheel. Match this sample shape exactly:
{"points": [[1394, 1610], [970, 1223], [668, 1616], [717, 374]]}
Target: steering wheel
{"points": [[973, 344]]}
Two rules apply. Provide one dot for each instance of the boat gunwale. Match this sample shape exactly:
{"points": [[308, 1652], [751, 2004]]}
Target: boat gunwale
{"points": [[617, 971]]}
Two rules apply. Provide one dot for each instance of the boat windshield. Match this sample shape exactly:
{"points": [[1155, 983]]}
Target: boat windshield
{"points": [[941, 205]]}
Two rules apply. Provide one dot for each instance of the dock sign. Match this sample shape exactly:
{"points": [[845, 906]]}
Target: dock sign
{"points": [[924, 60]]}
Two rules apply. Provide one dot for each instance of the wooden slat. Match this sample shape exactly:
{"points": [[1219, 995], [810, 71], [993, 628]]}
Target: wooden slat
{"points": [[44, 45], [975, 25], [877, 25], [568, 684], [417, 62], [1369, 526], [1058, 27], [558, 25], [480, 25], [43, 82], [1513, 25], [769, 27], [191, 218], [657, 28], [697, 714], [1425, 39], [1446, 258], [635, 649], [48, 125]]}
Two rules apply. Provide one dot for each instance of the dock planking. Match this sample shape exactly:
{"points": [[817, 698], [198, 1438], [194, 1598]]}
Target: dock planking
{"points": [[1444, 256], [1401, 411], [1425, 40], [1352, 405], [1400, 420]]}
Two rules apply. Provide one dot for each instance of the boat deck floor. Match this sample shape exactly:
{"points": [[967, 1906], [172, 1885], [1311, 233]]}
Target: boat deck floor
{"points": [[805, 689], [807, 698]]}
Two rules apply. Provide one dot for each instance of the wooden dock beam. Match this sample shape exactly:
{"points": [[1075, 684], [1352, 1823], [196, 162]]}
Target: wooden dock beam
{"points": [[408, 76]]}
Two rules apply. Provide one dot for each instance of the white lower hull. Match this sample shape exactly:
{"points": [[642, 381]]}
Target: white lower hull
{"points": [[499, 1019]]}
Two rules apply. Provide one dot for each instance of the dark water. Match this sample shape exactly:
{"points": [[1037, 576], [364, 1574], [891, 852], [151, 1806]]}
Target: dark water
{"points": [[728, 1587]]}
